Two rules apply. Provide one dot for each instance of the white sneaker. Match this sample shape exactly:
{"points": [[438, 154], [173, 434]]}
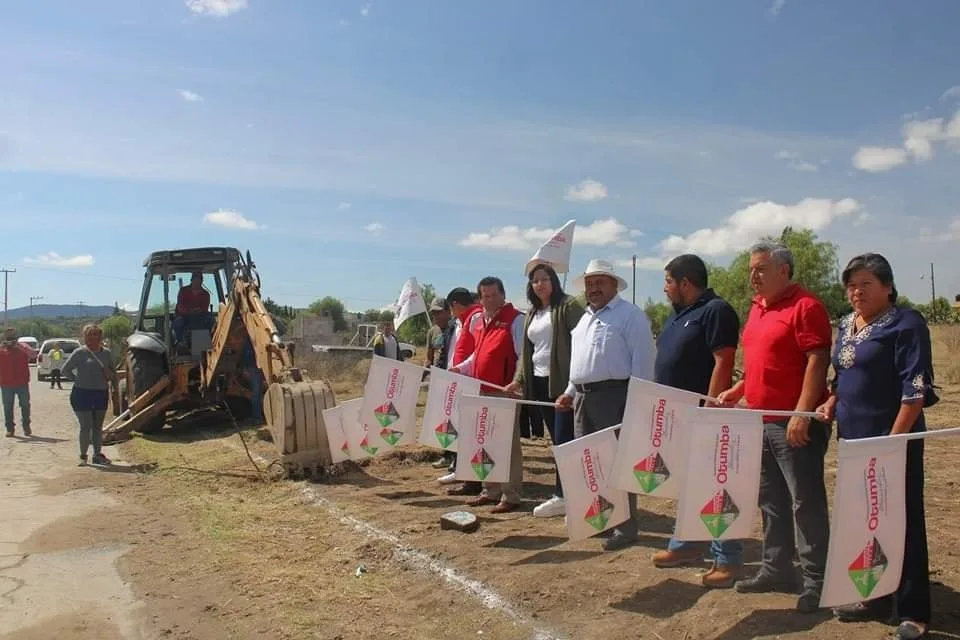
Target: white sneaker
{"points": [[551, 508], [450, 478]]}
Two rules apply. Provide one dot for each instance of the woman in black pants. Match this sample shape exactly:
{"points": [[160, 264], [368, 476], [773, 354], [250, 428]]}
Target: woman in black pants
{"points": [[91, 367], [544, 367], [884, 379]]}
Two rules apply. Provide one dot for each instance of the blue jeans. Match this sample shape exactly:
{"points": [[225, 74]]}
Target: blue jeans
{"points": [[256, 386], [22, 394], [724, 552]]}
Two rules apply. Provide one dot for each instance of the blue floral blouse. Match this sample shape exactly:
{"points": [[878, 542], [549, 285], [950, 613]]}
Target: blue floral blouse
{"points": [[884, 364]]}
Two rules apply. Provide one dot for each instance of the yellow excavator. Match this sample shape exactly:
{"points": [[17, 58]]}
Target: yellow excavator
{"points": [[183, 360]]}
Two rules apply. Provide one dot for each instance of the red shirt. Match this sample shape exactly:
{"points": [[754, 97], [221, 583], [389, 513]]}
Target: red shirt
{"points": [[495, 359], [190, 301], [775, 342], [14, 366]]}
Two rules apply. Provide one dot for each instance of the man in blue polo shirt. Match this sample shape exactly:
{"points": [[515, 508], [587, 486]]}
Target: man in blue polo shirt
{"points": [[695, 351]]}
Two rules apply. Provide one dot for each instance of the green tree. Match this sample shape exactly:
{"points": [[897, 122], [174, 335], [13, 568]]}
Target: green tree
{"points": [[657, 313], [415, 329], [280, 311], [373, 315], [815, 267], [939, 311], [330, 306]]}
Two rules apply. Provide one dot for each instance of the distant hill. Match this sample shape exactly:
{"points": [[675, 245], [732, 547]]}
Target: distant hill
{"points": [[54, 311]]}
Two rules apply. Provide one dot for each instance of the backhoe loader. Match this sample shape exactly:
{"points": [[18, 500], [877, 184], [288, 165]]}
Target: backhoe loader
{"points": [[178, 363]]}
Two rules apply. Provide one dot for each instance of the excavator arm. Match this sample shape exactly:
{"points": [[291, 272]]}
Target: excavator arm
{"points": [[293, 404], [245, 316]]}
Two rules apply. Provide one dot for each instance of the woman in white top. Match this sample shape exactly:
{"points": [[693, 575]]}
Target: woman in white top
{"points": [[544, 367]]}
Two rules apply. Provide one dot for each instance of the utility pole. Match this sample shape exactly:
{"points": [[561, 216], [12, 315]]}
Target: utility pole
{"points": [[32, 298], [933, 287], [6, 279], [633, 289]]}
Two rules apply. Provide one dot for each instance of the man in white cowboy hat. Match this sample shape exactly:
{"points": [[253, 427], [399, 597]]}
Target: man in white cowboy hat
{"points": [[611, 343]]}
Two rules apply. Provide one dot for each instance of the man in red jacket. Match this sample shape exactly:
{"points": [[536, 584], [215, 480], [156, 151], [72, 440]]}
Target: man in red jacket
{"points": [[15, 380], [498, 334], [464, 307]]}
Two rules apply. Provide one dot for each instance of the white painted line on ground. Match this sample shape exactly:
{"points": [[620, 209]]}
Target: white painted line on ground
{"points": [[422, 561]]}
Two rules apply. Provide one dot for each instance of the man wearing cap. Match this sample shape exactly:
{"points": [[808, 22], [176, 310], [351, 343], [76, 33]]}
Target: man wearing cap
{"points": [[439, 333], [463, 307], [15, 380], [439, 345], [611, 343]]}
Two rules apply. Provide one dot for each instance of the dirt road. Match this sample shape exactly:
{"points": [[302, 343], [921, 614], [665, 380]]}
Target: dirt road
{"points": [[65, 591]]}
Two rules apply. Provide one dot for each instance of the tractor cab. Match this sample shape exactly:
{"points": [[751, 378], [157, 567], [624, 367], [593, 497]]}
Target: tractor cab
{"points": [[168, 273]]}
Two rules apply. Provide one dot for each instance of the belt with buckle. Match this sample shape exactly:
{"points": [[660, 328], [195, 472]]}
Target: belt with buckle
{"points": [[602, 384]]}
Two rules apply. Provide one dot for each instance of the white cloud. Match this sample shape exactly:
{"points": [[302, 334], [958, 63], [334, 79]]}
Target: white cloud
{"points": [[231, 219], [600, 233], [587, 191], [953, 93], [860, 219], [645, 263], [343, 206], [365, 11], [53, 259], [374, 227], [795, 162], [190, 96], [749, 224], [218, 8], [777, 7], [875, 159], [919, 137]]}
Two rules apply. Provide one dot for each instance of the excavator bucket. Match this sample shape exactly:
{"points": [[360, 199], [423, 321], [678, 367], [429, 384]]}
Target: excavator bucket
{"points": [[294, 414]]}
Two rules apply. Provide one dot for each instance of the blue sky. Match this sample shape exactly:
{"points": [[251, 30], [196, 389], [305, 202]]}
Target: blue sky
{"points": [[350, 145]]}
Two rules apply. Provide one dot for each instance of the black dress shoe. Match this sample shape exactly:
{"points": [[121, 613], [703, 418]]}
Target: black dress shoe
{"points": [[872, 610], [808, 602], [766, 583]]}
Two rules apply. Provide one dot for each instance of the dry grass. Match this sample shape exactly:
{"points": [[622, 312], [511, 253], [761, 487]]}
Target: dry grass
{"points": [[946, 353]]}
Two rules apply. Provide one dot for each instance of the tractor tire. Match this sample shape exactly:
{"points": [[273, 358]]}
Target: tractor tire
{"points": [[147, 367]]}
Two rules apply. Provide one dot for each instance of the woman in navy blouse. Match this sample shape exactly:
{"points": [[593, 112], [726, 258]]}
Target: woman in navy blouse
{"points": [[884, 379]]}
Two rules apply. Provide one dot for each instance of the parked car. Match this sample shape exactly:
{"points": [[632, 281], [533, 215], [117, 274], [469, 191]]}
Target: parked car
{"points": [[45, 362], [33, 344]]}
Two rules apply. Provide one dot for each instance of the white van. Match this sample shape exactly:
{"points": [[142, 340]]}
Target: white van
{"points": [[45, 362]]}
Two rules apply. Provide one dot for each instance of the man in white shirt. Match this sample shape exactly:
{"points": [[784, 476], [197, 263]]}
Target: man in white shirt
{"points": [[612, 342]]}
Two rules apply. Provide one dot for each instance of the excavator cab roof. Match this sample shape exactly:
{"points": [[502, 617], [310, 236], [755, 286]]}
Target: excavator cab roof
{"points": [[199, 258]]}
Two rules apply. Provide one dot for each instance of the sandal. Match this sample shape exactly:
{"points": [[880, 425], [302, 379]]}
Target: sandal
{"points": [[910, 630]]}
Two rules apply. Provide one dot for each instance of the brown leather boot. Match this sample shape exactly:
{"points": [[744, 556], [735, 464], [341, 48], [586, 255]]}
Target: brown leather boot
{"points": [[667, 559], [720, 576]]}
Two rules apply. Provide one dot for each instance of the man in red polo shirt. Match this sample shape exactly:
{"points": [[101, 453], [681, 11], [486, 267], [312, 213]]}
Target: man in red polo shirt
{"points": [[786, 348], [498, 337]]}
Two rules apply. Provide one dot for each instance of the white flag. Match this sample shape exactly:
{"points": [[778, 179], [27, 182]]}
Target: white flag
{"points": [[409, 304], [651, 457], [337, 420], [584, 465], [865, 554], [441, 418], [555, 251], [486, 438], [718, 497], [389, 409]]}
